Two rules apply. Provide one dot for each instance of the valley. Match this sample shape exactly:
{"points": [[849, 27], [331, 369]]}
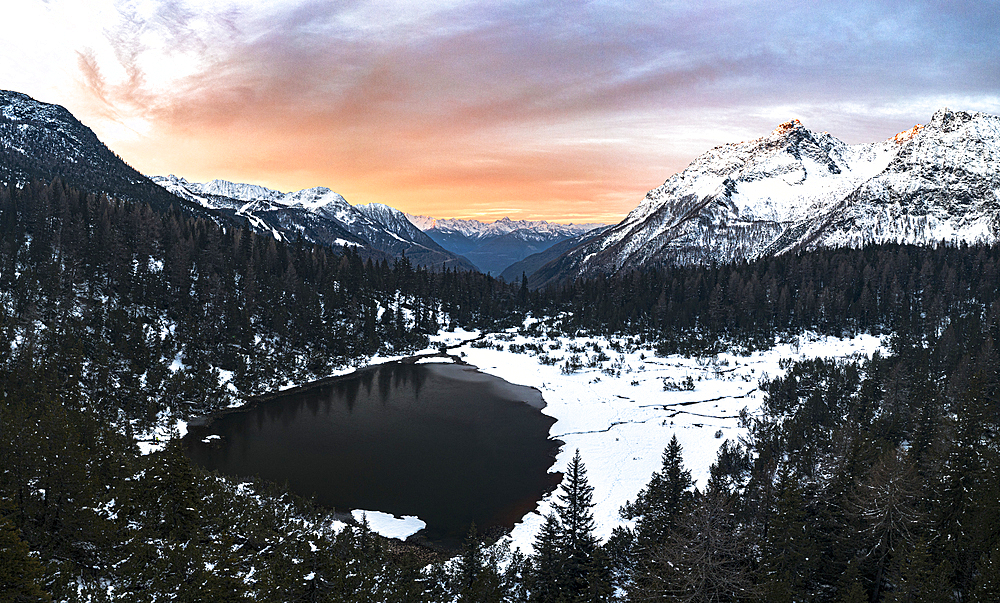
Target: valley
{"points": [[781, 338]]}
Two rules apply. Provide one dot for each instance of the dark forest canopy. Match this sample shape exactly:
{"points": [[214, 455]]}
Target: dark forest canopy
{"points": [[860, 481]]}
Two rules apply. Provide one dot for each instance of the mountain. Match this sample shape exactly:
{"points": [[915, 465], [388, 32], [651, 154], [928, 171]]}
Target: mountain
{"points": [[531, 264], [797, 190], [496, 245], [318, 215], [39, 141]]}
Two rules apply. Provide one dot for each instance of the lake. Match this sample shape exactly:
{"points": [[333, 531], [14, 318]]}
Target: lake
{"points": [[443, 442]]}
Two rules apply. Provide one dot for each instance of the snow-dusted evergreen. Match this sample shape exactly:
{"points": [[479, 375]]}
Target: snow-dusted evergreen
{"points": [[319, 215], [795, 189]]}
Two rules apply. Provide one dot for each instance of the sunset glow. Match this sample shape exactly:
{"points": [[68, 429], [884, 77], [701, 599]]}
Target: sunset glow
{"points": [[534, 110]]}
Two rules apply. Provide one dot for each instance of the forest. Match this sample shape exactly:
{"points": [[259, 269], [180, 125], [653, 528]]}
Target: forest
{"points": [[872, 480]]}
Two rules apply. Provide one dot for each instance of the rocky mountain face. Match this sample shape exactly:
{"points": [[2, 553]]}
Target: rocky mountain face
{"points": [[796, 190], [318, 215], [39, 141], [531, 264], [494, 246]]}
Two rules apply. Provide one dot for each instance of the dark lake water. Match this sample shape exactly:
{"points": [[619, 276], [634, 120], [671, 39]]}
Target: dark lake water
{"points": [[443, 442]]}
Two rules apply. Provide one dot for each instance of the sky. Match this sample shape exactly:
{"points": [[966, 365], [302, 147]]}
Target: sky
{"points": [[562, 110]]}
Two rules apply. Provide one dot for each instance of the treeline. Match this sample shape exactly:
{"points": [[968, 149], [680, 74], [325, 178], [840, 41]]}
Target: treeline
{"points": [[866, 481], [146, 311], [890, 288], [872, 481]]}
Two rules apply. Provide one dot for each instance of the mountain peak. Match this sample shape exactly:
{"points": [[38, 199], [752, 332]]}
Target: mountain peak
{"points": [[794, 190], [946, 120], [788, 126], [906, 135]]}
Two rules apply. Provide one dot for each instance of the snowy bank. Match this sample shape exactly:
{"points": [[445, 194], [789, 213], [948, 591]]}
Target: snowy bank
{"points": [[621, 408]]}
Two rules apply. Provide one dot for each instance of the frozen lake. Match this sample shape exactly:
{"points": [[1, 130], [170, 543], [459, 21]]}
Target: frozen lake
{"points": [[441, 442]]}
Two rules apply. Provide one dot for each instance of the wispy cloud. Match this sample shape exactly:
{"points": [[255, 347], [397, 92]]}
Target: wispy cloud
{"points": [[565, 108]]}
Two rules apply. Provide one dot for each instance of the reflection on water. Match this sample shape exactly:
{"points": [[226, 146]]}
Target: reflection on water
{"points": [[442, 442]]}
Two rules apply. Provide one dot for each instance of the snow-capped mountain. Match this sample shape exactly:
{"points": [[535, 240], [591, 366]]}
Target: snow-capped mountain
{"points": [[795, 190], [318, 215], [494, 246], [529, 265], [43, 141]]}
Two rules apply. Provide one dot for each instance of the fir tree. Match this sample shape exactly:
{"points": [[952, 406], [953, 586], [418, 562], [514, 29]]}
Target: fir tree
{"points": [[585, 574], [667, 496], [547, 563], [19, 571]]}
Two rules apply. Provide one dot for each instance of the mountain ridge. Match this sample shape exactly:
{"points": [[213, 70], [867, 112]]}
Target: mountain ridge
{"points": [[43, 141], [794, 190], [319, 215], [495, 246]]}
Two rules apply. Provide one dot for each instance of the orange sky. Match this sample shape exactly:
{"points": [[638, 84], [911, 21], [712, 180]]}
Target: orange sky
{"points": [[558, 109]]}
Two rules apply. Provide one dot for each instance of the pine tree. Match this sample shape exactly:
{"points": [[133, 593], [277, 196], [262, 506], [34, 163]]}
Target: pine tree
{"points": [[987, 587], [585, 573], [667, 496], [547, 563], [920, 579], [477, 575], [790, 552], [851, 589], [19, 571]]}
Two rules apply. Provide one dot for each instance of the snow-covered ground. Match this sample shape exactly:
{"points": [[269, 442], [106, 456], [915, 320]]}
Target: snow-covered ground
{"points": [[621, 412], [388, 525], [617, 402]]}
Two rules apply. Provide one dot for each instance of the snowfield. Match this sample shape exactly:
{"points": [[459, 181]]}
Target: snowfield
{"points": [[622, 412]]}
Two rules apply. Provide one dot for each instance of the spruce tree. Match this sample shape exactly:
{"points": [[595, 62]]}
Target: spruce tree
{"points": [[667, 496], [987, 586], [585, 574], [547, 563], [19, 571], [477, 576]]}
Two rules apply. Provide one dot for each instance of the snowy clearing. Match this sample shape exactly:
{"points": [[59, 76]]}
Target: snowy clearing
{"points": [[388, 525], [621, 412]]}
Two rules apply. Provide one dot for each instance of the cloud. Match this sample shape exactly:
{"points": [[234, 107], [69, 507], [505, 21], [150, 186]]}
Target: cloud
{"points": [[573, 106]]}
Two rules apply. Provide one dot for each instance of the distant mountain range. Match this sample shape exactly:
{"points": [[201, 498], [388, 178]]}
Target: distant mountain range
{"points": [[318, 215], [796, 190], [791, 190], [40, 141], [494, 246]]}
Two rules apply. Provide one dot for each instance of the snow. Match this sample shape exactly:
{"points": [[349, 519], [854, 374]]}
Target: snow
{"points": [[388, 525], [796, 188], [474, 229], [156, 440], [620, 417], [619, 411], [226, 380], [178, 363]]}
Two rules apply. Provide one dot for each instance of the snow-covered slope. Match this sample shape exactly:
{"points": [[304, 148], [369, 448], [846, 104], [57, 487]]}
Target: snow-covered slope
{"points": [[795, 189], [40, 141], [476, 230], [318, 215], [494, 246]]}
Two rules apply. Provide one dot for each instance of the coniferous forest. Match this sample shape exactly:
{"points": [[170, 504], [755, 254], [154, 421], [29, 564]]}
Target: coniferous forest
{"points": [[873, 480]]}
